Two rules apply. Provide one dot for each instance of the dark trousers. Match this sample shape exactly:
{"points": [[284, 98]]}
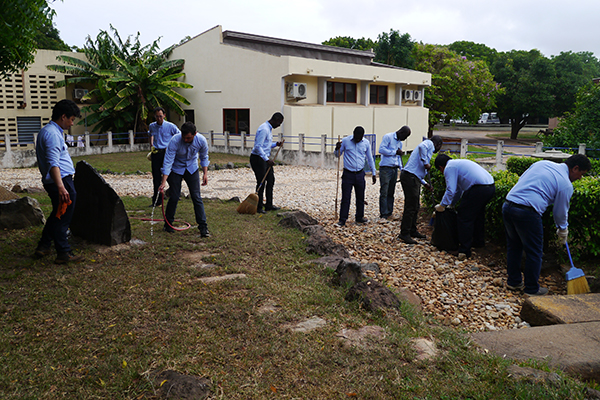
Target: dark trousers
{"points": [[157, 163], [411, 186], [259, 166], [471, 217], [193, 183], [357, 181], [55, 228], [524, 232], [387, 189]]}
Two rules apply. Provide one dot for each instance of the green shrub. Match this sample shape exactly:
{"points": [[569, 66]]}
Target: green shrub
{"points": [[518, 165], [584, 225]]}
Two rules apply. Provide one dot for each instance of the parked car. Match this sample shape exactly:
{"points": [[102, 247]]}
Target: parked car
{"points": [[489, 118]]}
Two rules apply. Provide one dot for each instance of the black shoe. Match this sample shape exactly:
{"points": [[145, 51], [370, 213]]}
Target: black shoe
{"points": [[204, 233], [168, 229], [418, 235], [64, 258], [407, 239], [340, 224], [362, 221], [261, 211], [41, 252], [272, 208]]}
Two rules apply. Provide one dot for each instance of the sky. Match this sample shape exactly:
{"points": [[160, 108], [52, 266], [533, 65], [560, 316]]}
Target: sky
{"points": [[551, 26]]}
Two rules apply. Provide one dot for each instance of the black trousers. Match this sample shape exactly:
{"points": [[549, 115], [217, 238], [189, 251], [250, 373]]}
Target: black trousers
{"points": [[259, 166], [411, 186], [157, 163], [471, 217], [354, 180]]}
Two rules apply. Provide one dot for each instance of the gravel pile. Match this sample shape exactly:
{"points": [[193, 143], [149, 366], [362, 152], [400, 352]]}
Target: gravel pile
{"points": [[469, 294]]}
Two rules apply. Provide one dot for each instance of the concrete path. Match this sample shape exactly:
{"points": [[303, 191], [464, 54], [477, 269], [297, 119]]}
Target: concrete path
{"points": [[571, 343]]}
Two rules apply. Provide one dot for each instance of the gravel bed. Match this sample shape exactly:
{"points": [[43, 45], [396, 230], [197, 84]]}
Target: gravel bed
{"points": [[468, 294]]}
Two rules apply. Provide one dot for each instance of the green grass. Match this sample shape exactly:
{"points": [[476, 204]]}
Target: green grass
{"points": [[131, 163], [96, 330]]}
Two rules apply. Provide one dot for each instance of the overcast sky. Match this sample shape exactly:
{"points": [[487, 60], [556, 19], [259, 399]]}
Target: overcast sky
{"points": [[550, 26]]}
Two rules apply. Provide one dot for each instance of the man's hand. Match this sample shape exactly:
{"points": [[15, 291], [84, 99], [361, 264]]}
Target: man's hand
{"points": [[270, 163], [279, 144], [338, 146], [374, 179], [204, 179], [161, 188], [63, 195], [399, 152], [427, 167], [154, 150], [440, 208], [562, 235], [429, 187]]}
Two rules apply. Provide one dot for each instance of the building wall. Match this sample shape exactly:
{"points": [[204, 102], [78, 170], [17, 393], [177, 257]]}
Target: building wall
{"points": [[32, 95]]}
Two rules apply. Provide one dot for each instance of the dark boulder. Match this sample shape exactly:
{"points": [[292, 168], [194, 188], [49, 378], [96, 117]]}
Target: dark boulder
{"points": [[20, 213], [373, 296]]}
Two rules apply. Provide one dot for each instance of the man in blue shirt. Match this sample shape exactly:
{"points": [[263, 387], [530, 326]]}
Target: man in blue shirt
{"points": [[411, 178], [468, 182], [56, 167], [543, 184], [181, 163], [355, 149], [161, 133], [260, 162], [391, 153]]}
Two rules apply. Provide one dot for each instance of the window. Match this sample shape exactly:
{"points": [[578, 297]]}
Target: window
{"points": [[236, 121], [378, 94], [340, 92], [190, 116]]}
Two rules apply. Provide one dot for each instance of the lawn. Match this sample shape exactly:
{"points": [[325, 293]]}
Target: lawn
{"points": [[98, 329]]}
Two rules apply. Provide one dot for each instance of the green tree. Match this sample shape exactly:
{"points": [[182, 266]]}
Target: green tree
{"points": [[395, 49], [459, 88], [48, 37], [573, 71], [583, 124], [351, 43], [474, 51], [19, 23], [130, 80], [527, 78]]}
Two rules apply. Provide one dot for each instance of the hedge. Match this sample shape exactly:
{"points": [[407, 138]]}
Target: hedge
{"points": [[584, 227]]}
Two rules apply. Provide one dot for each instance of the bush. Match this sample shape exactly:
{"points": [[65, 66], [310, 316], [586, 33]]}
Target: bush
{"points": [[584, 226], [518, 165]]}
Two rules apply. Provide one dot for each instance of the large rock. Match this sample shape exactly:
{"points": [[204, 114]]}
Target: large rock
{"points": [[175, 385], [20, 213], [565, 309], [6, 194], [99, 215], [373, 296], [349, 272], [324, 246], [297, 219]]}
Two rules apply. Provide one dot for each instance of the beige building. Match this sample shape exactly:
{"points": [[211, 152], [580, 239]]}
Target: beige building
{"points": [[26, 99], [240, 80]]}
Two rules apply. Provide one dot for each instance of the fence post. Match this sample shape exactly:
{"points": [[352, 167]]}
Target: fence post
{"points": [[499, 152], [243, 141], [131, 139], [323, 148], [281, 136], [538, 147], [301, 142], [7, 142], [110, 140], [86, 136], [226, 136], [211, 136], [581, 148], [464, 147]]}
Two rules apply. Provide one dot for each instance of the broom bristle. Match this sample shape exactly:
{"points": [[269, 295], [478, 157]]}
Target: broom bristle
{"points": [[249, 205], [578, 286]]}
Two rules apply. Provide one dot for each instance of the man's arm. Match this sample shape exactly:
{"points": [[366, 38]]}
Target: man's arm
{"points": [[385, 148], [63, 194], [204, 176]]}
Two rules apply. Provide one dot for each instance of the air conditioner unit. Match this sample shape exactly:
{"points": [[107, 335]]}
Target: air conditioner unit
{"points": [[417, 95], [79, 93], [408, 95], [296, 90]]}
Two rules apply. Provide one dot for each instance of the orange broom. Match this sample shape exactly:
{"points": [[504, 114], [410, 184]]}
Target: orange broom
{"points": [[250, 205]]}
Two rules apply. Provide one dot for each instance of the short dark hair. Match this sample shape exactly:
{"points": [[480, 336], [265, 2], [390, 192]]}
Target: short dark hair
{"points": [[277, 117], [359, 130], [65, 107], [441, 160], [157, 109], [188, 127], [579, 160], [404, 130], [437, 140]]}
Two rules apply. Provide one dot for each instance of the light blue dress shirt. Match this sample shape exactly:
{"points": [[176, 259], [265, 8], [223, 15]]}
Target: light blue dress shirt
{"points": [[52, 151], [388, 147], [355, 153], [420, 156], [545, 183], [163, 133], [181, 156], [460, 176], [263, 142]]}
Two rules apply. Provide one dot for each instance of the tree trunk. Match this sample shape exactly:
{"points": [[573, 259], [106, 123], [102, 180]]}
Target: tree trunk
{"points": [[515, 126]]}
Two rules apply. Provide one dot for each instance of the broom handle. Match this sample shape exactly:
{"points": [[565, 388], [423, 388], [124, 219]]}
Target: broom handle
{"points": [[337, 183], [268, 169], [569, 253]]}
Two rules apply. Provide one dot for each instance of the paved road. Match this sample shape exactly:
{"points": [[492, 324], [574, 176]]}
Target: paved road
{"points": [[474, 135]]}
